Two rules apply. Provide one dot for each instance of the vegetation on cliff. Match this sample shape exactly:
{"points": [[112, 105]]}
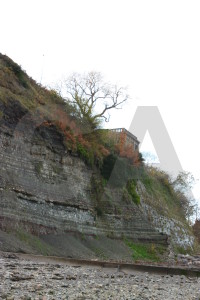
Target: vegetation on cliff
{"points": [[115, 164], [118, 163]]}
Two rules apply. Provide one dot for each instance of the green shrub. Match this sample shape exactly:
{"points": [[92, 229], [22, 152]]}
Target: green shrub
{"points": [[131, 188], [147, 181], [85, 154]]}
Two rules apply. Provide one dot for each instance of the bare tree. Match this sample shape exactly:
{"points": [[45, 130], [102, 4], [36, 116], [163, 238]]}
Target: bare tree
{"points": [[92, 97]]}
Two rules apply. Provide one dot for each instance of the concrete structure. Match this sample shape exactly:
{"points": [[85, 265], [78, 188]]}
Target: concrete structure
{"points": [[129, 137]]}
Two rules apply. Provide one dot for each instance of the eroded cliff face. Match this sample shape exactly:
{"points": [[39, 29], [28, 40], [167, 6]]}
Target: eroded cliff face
{"points": [[178, 232], [45, 189]]}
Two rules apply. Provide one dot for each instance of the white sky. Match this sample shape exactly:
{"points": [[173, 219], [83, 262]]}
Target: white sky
{"points": [[151, 46]]}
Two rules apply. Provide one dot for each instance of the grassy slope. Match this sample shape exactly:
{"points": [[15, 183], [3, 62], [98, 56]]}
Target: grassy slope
{"points": [[16, 85], [162, 195]]}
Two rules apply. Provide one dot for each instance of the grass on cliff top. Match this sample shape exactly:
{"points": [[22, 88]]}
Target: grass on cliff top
{"points": [[16, 84], [146, 252]]}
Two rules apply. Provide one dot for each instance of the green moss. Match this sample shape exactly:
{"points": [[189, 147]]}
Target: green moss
{"points": [[38, 167], [99, 253], [85, 154], [131, 188], [56, 169], [147, 252]]}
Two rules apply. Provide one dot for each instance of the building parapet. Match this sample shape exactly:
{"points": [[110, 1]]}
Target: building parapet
{"points": [[130, 138]]}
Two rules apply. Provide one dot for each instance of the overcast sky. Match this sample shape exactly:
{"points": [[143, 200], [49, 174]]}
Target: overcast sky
{"points": [[151, 46]]}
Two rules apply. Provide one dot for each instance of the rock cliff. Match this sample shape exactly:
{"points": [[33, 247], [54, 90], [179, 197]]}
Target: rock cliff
{"points": [[47, 190]]}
